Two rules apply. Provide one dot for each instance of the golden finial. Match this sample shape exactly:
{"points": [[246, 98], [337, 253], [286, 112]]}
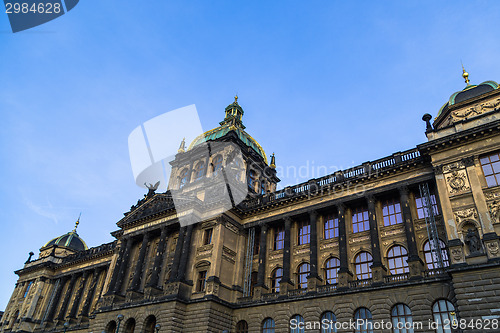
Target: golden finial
{"points": [[236, 99], [465, 75], [182, 147], [77, 222], [273, 162]]}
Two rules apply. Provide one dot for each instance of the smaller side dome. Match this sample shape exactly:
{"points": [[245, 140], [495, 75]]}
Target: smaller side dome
{"points": [[470, 91], [70, 240]]}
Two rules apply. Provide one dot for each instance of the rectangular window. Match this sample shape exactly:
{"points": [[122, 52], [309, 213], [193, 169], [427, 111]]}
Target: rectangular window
{"points": [[331, 227], [491, 169], [202, 277], [279, 238], [207, 236], [256, 242], [391, 211], [360, 221], [304, 232], [421, 210]]}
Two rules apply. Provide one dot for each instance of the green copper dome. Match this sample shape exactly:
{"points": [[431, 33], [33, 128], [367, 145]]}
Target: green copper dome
{"points": [[232, 122], [70, 240], [470, 91]]}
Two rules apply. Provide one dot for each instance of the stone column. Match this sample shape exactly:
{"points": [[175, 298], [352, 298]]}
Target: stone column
{"points": [[123, 266], [136, 280], [313, 279], [378, 269], [181, 275], [90, 294], [415, 264], [67, 297], [116, 269], [40, 283], [261, 275], [177, 255], [59, 284], [78, 295], [155, 274], [286, 283], [344, 275]]}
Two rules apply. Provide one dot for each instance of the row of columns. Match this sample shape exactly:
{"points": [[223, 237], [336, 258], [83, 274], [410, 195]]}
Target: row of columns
{"points": [[345, 275], [70, 280], [178, 269]]}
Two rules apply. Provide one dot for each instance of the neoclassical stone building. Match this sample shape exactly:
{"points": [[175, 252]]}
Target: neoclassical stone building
{"points": [[409, 238]]}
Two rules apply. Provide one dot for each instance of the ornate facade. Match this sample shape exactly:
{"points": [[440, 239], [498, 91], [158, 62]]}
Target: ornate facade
{"points": [[412, 237]]}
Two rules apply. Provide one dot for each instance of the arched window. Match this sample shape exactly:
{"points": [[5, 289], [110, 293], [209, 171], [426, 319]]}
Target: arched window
{"points": [[398, 260], [303, 272], [365, 315], [242, 327], [130, 325], [149, 324], [199, 171], [328, 321], [297, 324], [111, 327], [216, 165], [331, 269], [252, 179], [275, 280], [363, 263], [443, 310], [268, 325], [402, 321], [432, 262], [183, 178]]}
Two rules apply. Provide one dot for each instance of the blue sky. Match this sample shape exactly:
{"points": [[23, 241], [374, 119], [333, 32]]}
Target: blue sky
{"points": [[322, 83]]}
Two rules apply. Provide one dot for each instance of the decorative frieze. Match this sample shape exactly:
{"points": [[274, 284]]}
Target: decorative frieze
{"points": [[457, 181], [464, 214], [359, 239], [475, 110], [329, 245], [228, 254]]}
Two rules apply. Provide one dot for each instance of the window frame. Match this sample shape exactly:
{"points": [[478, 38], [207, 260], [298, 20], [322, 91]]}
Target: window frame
{"points": [[391, 212], [367, 316], [303, 271], [243, 329], [275, 279], [331, 226], [217, 164], [199, 171], [428, 254], [491, 164], [334, 269], [278, 238], [440, 313], [207, 236], [268, 325], [356, 213], [401, 257], [201, 281], [419, 204], [360, 274], [183, 178], [332, 319], [404, 317], [303, 232], [299, 319]]}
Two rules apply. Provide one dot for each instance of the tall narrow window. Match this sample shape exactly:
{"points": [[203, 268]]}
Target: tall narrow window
{"points": [[275, 280], [331, 269], [365, 317], [303, 272], [329, 318], [304, 232], [421, 210], [297, 322], [402, 320], [199, 171], [268, 325], [202, 278], [491, 169], [183, 178], [331, 227], [279, 238], [443, 312], [360, 221], [252, 179], [216, 165], [28, 289], [430, 261], [398, 260], [363, 263], [391, 211], [207, 236], [262, 187], [242, 327]]}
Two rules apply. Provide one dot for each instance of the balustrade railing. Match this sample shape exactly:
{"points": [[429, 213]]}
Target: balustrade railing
{"points": [[269, 296], [327, 288], [397, 278], [360, 283], [296, 292], [365, 170]]}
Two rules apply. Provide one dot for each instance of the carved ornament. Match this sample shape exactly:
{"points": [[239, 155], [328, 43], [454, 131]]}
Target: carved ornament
{"points": [[457, 181], [475, 110], [465, 214]]}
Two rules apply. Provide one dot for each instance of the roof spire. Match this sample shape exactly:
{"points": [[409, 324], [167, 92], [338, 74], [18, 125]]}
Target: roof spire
{"points": [[273, 162], [182, 147], [465, 75], [77, 222]]}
